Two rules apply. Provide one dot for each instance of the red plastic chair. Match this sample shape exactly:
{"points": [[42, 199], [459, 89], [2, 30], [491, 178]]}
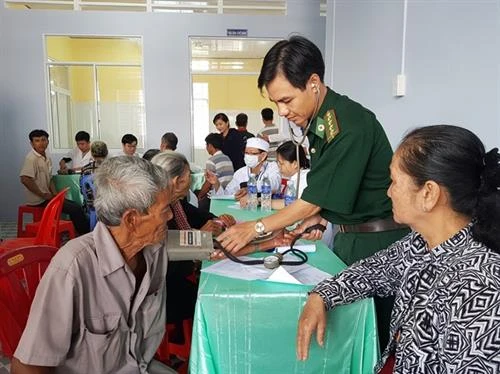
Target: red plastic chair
{"points": [[62, 226], [20, 273], [167, 349], [47, 232], [35, 211]]}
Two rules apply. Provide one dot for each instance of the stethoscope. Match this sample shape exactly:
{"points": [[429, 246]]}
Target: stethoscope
{"points": [[261, 173], [276, 259], [298, 143]]}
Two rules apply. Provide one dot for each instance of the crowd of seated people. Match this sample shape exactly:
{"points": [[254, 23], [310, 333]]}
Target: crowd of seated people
{"points": [[445, 187]]}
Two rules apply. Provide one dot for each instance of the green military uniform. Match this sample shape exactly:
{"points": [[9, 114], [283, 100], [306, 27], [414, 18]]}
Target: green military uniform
{"points": [[349, 178]]}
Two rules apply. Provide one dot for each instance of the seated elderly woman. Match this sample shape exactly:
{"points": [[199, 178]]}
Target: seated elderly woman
{"points": [[181, 291], [445, 274], [100, 306], [99, 151]]}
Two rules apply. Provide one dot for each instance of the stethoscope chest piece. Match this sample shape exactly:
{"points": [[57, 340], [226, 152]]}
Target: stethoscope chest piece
{"points": [[273, 261]]}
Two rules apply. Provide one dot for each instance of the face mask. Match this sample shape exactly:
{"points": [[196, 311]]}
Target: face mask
{"points": [[251, 160]]}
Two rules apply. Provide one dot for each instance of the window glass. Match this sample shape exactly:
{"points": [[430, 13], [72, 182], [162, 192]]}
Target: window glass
{"points": [[95, 85]]}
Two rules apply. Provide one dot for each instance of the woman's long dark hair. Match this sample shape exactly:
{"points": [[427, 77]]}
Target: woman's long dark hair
{"points": [[455, 158]]}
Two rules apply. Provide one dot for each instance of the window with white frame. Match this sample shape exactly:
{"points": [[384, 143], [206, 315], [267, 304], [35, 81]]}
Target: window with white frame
{"points": [[95, 84]]}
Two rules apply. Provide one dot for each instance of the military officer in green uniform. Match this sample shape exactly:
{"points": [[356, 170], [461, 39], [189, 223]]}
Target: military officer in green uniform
{"points": [[350, 156]]}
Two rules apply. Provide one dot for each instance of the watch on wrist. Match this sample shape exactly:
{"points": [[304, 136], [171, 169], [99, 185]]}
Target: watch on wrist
{"points": [[259, 227]]}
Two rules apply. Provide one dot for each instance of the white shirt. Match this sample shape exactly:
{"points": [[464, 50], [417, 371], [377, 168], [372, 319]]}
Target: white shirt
{"points": [[269, 169], [303, 181], [79, 160]]}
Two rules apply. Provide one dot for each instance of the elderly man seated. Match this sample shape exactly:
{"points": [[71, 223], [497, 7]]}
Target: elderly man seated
{"points": [[100, 306]]}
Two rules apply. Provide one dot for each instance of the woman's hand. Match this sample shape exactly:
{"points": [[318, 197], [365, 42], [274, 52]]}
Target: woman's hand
{"points": [[312, 320]]}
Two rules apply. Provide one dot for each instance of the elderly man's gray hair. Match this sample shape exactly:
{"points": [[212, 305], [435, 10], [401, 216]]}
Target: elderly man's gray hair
{"points": [[126, 182], [174, 163]]}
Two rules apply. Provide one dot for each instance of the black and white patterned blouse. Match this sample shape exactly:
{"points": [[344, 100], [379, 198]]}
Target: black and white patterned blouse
{"points": [[446, 317]]}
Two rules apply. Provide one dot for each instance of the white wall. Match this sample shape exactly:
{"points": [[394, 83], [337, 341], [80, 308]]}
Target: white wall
{"points": [[23, 103], [452, 62]]}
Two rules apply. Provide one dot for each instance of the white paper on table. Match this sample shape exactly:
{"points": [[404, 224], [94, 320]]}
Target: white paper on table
{"points": [[305, 273], [221, 197], [308, 248], [234, 206], [280, 275]]}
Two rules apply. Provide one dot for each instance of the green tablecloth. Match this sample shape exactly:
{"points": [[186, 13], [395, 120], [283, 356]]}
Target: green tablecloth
{"points": [[250, 326], [73, 182]]}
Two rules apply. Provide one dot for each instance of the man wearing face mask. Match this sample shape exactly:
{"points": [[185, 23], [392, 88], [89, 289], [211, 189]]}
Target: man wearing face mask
{"points": [[257, 164]]}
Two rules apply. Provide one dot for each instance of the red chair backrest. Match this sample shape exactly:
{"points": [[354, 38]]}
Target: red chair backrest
{"points": [[47, 230], [20, 273]]}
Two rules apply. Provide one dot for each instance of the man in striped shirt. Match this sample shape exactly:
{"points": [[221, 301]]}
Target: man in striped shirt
{"points": [[218, 164], [270, 133]]}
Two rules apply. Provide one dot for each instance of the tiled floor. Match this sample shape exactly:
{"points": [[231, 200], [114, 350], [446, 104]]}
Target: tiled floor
{"points": [[8, 230]]}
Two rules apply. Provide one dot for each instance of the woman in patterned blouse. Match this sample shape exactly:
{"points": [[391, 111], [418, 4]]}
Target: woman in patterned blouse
{"points": [[445, 274]]}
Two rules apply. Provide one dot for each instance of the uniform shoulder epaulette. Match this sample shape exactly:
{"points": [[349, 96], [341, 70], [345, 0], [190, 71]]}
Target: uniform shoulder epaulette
{"points": [[332, 128]]}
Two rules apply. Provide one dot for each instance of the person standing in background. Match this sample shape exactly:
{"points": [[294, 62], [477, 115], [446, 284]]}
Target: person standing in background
{"points": [[233, 145], [270, 133], [241, 124]]}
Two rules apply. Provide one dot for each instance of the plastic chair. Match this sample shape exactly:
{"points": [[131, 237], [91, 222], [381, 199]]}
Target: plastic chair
{"points": [[48, 226], [167, 349], [20, 273], [35, 211], [62, 226]]}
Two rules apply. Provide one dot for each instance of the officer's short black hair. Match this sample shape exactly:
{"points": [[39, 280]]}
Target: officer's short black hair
{"points": [[297, 58], [170, 139], [129, 139], [267, 114], [38, 134], [82, 136], [241, 120], [215, 140]]}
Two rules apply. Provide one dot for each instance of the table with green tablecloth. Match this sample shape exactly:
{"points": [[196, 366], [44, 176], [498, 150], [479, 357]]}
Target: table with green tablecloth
{"points": [[250, 326], [73, 182]]}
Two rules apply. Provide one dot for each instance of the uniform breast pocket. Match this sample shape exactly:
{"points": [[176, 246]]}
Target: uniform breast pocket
{"points": [[104, 344]]}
